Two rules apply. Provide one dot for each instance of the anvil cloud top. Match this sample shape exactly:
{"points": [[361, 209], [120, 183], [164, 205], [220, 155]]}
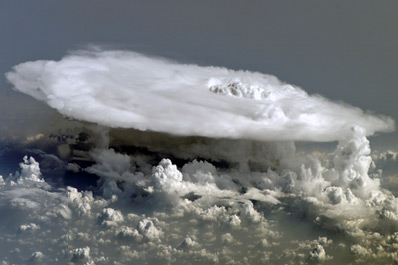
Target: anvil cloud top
{"points": [[130, 90]]}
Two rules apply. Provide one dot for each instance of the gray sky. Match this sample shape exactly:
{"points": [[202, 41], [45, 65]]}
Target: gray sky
{"points": [[343, 50]]}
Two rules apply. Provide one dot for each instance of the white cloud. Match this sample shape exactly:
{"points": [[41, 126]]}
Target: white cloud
{"points": [[29, 227], [130, 90], [79, 254], [147, 228], [110, 217], [36, 257], [229, 201], [217, 226]]}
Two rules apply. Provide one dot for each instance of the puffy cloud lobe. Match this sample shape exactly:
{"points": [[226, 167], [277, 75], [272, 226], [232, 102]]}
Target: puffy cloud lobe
{"points": [[36, 257], [110, 217], [29, 227], [188, 243], [129, 90], [79, 254], [30, 170], [147, 228]]}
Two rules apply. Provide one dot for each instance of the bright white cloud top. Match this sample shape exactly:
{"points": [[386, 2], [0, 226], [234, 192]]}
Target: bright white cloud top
{"points": [[122, 89]]}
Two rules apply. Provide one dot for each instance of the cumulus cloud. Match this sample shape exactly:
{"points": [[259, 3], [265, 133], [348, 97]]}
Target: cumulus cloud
{"points": [[171, 196], [201, 213], [130, 90], [79, 254], [74, 226]]}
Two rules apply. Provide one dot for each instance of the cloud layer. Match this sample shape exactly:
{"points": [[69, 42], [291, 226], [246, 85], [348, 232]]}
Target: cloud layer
{"points": [[130, 90], [160, 198], [296, 211]]}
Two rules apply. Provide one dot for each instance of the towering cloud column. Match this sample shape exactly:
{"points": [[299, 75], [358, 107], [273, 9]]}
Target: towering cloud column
{"points": [[352, 161]]}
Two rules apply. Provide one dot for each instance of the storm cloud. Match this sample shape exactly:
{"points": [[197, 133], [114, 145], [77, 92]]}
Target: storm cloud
{"points": [[122, 89]]}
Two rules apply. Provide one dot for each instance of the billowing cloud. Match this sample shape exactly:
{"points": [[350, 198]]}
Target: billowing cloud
{"points": [[129, 90], [169, 196], [202, 213]]}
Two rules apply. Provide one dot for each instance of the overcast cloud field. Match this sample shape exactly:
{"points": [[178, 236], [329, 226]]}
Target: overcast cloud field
{"points": [[198, 133]]}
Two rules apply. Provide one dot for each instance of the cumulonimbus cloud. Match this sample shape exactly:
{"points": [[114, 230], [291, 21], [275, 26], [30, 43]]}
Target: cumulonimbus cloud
{"points": [[123, 89]]}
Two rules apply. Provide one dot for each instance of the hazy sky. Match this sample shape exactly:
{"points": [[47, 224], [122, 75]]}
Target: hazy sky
{"points": [[342, 50]]}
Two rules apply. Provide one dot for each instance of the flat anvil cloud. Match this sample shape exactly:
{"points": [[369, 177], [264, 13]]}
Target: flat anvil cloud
{"points": [[130, 90]]}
